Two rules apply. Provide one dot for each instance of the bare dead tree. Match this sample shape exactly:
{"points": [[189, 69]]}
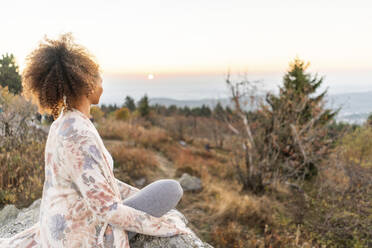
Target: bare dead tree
{"points": [[243, 93]]}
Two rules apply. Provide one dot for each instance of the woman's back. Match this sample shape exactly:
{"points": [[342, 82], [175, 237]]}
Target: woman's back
{"points": [[64, 217]]}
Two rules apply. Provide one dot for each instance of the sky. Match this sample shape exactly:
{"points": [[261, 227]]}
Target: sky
{"points": [[186, 39]]}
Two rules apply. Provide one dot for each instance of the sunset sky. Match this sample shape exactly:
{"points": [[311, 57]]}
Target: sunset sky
{"points": [[167, 37]]}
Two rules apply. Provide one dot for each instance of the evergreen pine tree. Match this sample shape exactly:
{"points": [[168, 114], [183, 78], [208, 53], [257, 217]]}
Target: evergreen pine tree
{"points": [[9, 74], [143, 106], [172, 110], [186, 111], [296, 106], [129, 103], [205, 111], [295, 96], [218, 111]]}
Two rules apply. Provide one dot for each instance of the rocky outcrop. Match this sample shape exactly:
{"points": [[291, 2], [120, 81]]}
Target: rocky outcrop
{"points": [[13, 220], [190, 183]]}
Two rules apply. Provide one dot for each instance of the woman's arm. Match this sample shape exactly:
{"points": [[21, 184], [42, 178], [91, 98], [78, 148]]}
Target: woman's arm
{"points": [[126, 190], [86, 165]]}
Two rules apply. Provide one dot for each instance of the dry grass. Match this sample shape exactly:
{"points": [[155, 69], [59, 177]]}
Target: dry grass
{"points": [[132, 163], [194, 161], [234, 216], [153, 137], [225, 218], [189, 163]]}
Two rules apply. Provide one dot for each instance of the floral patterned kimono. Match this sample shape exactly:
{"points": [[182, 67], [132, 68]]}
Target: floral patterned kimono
{"points": [[82, 200]]}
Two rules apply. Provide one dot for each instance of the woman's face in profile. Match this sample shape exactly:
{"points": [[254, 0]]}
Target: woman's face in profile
{"points": [[94, 98]]}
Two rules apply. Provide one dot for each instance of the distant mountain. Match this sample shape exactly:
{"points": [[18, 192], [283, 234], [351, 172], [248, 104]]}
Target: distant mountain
{"points": [[355, 107], [190, 103]]}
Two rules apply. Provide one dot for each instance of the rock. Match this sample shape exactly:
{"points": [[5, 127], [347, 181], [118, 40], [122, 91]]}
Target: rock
{"points": [[13, 220], [180, 241], [16, 223], [140, 182], [182, 143], [8, 212], [190, 183]]}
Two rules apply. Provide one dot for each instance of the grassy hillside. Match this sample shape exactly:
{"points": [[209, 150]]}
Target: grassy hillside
{"points": [[331, 209], [322, 213]]}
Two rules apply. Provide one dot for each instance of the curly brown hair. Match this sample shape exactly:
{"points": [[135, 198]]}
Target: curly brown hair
{"points": [[57, 68]]}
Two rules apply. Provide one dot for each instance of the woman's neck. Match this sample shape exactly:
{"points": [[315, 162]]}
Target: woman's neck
{"points": [[84, 107]]}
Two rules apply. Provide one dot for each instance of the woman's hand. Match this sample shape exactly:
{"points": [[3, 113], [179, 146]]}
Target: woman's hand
{"points": [[186, 230]]}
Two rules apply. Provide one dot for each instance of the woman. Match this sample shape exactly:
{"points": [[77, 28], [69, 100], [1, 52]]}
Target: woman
{"points": [[83, 204]]}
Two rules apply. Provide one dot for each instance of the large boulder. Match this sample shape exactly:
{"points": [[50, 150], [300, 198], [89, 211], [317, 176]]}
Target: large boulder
{"points": [[13, 220]]}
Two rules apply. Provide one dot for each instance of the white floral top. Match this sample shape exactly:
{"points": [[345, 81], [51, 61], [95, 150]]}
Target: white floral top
{"points": [[82, 200]]}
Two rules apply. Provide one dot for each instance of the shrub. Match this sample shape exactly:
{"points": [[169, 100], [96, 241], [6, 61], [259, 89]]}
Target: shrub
{"points": [[114, 129], [122, 114], [357, 146], [21, 151], [22, 174], [96, 113]]}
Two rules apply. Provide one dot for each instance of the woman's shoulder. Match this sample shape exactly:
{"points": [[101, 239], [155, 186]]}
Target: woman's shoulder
{"points": [[72, 123]]}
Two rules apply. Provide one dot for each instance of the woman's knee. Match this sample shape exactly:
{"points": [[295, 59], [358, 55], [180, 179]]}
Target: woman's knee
{"points": [[173, 185]]}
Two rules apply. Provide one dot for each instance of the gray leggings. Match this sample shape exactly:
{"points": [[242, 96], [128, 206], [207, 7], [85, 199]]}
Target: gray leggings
{"points": [[157, 198]]}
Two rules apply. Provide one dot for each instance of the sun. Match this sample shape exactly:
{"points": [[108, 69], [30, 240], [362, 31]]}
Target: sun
{"points": [[150, 77]]}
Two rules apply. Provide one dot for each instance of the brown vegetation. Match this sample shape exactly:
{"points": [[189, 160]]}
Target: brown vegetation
{"points": [[133, 163], [331, 209], [21, 149]]}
